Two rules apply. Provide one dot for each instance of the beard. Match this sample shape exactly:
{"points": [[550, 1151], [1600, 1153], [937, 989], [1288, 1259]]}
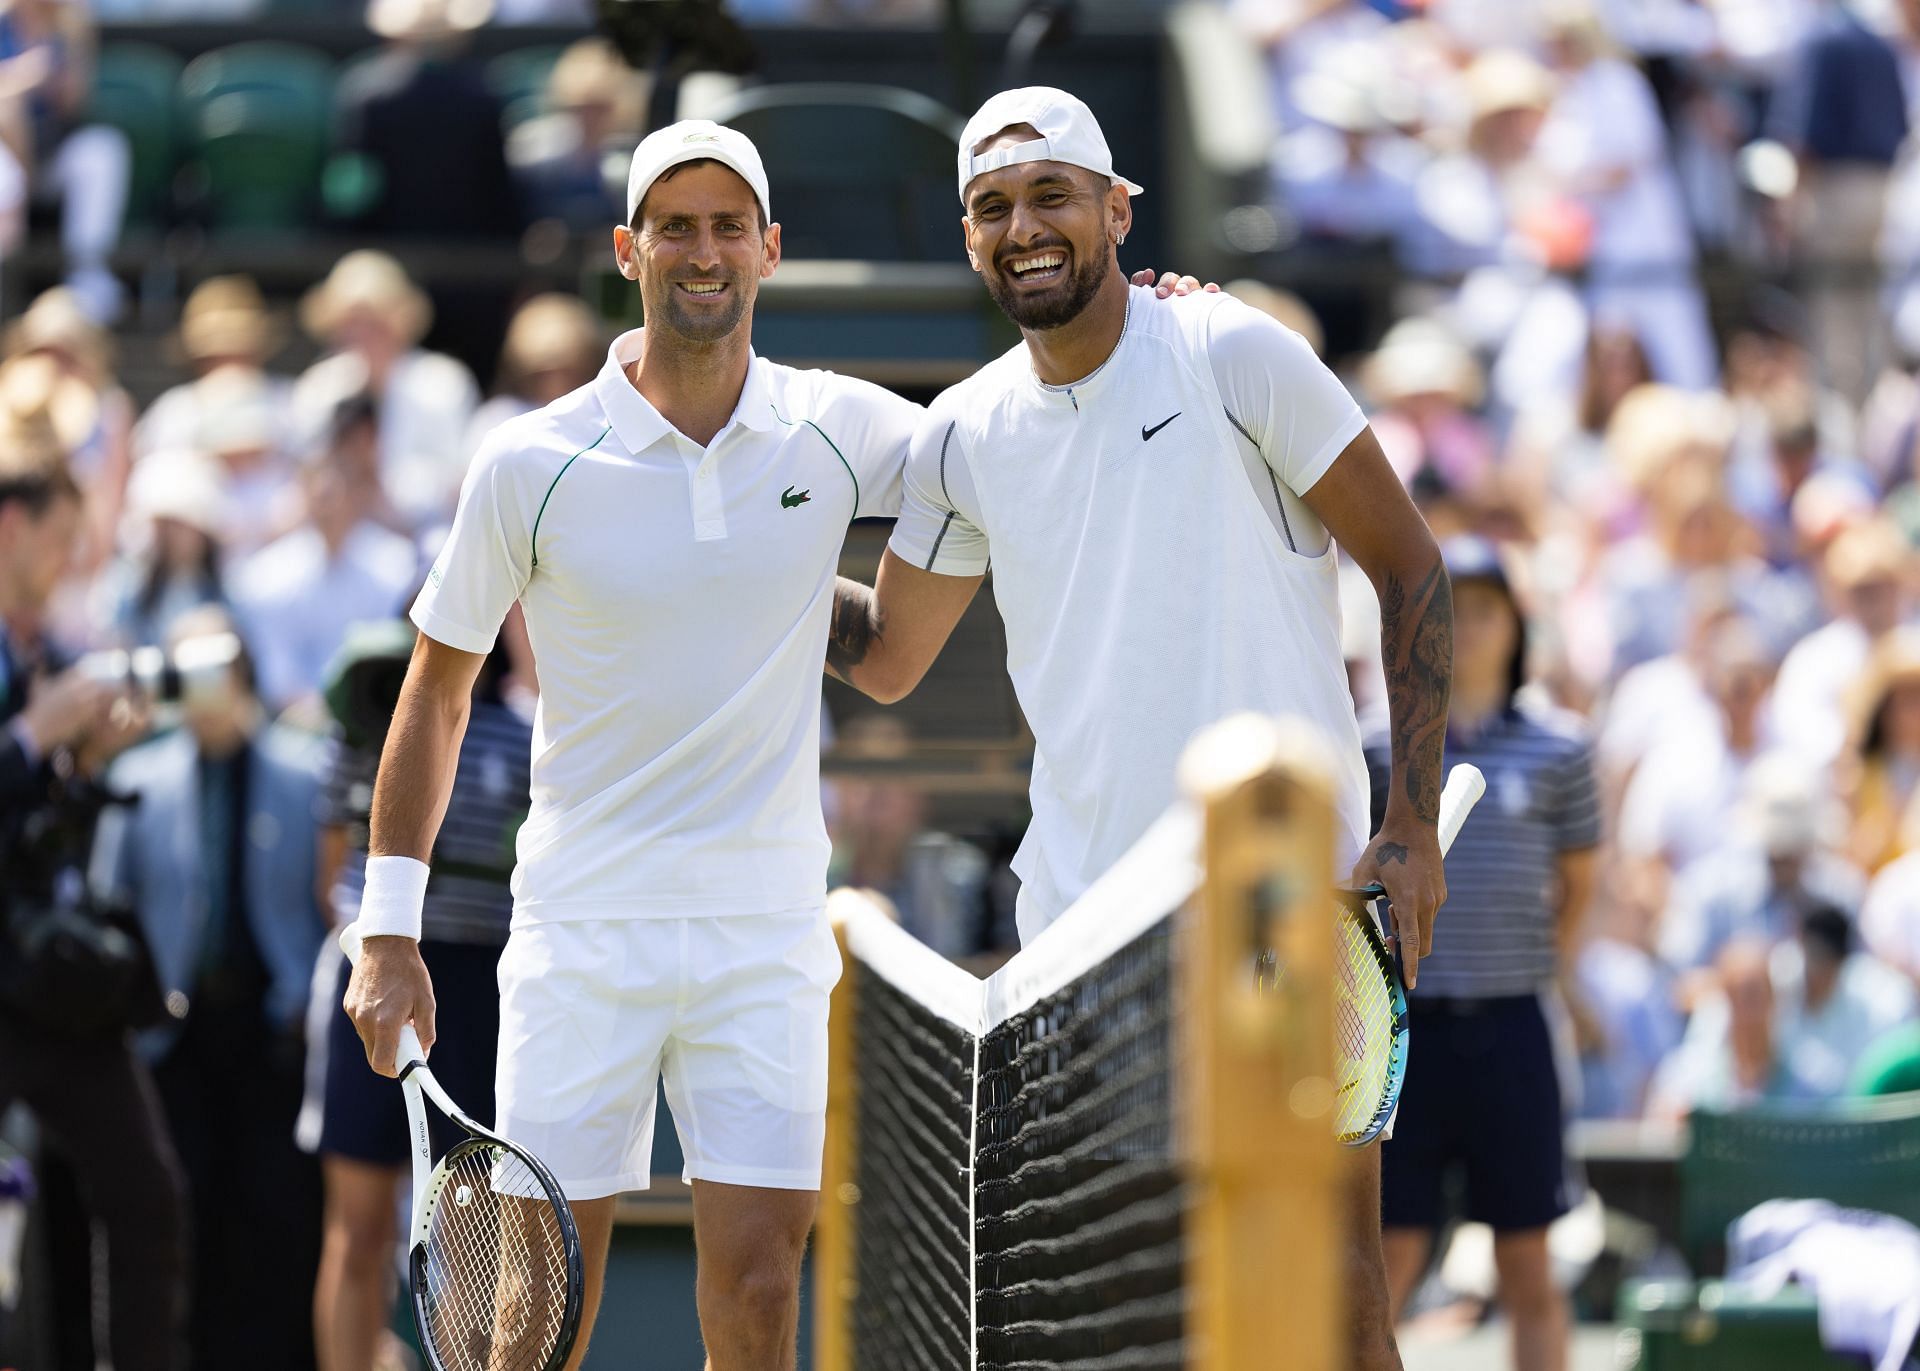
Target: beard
{"points": [[696, 324], [1057, 307]]}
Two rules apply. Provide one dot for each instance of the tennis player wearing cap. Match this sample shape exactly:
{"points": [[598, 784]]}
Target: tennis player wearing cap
{"points": [[1160, 483], [671, 531]]}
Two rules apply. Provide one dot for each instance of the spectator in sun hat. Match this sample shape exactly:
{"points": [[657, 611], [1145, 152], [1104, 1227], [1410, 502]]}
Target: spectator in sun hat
{"points": [[595, 102], [372, 316], [225, 330], [175, 513], [1426, 385], [553, 345]]}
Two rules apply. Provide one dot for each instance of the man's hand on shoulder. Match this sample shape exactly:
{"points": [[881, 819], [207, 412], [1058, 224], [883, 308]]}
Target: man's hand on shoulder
{"points": [[1404, 857], [390, 987], [1172, 284]]}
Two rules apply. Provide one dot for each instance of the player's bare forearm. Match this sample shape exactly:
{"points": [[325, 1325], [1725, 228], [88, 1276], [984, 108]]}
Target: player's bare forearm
{"points": [[854, 630], [1416, 649], [883, 639], [422, 751]]}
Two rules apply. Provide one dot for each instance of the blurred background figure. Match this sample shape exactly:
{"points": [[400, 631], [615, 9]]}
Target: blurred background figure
{"points": [[1881, 775], [226, 331], [48, 48], [554, 345], [217, 858], [561, 159], [172, 564], [298, 595], [371, 317]]}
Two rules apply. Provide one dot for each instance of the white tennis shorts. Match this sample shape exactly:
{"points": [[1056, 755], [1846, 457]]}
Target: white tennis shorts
{"points": [[731, 1010]]}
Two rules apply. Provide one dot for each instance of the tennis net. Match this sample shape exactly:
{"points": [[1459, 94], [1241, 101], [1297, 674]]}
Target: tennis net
{"points": [[1019, 1198]]}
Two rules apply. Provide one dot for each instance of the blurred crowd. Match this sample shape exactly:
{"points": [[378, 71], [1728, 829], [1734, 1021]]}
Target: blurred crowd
{"points": [[1710, 499]]}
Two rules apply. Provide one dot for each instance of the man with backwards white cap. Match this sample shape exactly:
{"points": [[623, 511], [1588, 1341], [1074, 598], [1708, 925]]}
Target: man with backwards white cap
{"points": [[1161, 483], [671, 531]]}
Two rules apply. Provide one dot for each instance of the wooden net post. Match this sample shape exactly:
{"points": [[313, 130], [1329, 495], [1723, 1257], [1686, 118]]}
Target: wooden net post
{"points": [[1255, 1052]]}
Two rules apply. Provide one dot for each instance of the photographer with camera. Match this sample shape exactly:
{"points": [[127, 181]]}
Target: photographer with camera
{"points": [[217, 858], [72, 984]]}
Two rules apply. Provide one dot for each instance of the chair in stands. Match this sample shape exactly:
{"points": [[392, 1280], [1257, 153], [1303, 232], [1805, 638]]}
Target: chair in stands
{"points": [[256, 118], [857, 171], [134, 91], [1858, 1154]]}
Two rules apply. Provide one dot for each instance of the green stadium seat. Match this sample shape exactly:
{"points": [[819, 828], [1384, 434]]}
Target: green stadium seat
{"points": [[257, 118], [134, 91], [519, 78], [855, 170], [1862, 1154]]}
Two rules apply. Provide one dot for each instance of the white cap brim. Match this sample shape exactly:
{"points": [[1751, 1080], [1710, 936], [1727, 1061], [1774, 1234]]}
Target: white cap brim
{"points": [[695, 140]]}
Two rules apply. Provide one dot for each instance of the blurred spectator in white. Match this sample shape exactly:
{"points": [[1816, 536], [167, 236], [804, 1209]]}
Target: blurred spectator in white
{"points": [[225, 329], [1835, 1002], [1424, 387], [241, 431], [1764, 496], [881, 842], [1691, 529], [1605, 140], [1296, 35], [49, 47], [1631, 1023], [1865, 575], [1770, 351], [596, 106], [174, 510], [91, 412], [1841, 109], [1881, 776], [1728, 1057], [1667, 696], [1890, 915], [1680, 804], [422, 128], [373, 317], [554, 345], [1471, 200], [1776, 862], [297, 595], [1345, 174]]}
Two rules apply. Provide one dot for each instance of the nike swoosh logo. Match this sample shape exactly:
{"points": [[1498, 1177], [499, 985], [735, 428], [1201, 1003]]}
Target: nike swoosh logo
{"points": [[1147, 433], [789, 500]]}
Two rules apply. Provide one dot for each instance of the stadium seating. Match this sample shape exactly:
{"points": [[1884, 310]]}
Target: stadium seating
{"points": [[1861, 1154], [861, 171], [134, 89], [257, 120], [520, 80]]}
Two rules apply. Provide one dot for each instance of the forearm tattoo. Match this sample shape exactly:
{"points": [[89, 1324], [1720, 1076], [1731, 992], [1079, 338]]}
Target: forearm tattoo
{"points": [[855, 628], [1416, 643]]}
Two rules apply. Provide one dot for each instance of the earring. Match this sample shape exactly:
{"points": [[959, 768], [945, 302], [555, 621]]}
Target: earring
{"points": [[1120, 241]]}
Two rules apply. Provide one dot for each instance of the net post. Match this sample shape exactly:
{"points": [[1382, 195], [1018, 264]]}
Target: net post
{"points": [[1255, 1051], [835, 1280]]}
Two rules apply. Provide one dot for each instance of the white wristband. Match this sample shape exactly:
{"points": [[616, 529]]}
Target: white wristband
{"points": [[395, 892]]}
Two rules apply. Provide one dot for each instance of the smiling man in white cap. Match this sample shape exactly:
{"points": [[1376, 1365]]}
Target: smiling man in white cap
{"points": [[1161, 482], [671, 531]]}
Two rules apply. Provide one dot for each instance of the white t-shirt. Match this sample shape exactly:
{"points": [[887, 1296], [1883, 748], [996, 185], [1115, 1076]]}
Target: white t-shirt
{"points": [[424, 410], [1152, 559], [678, 599]]}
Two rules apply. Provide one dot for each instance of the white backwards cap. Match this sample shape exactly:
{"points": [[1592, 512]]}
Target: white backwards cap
{"points": [[1068, 133]]}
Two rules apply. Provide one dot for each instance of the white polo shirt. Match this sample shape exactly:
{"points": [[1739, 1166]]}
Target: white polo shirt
{"points": [[678, 600], [1153, 562]]}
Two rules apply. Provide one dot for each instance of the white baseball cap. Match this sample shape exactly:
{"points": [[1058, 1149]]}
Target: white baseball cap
{"points": [[692, 140], [1068, 133]]}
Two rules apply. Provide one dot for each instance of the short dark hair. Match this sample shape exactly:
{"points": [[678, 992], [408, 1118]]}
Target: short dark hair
{"points": [[679, 167], [33, 476]]}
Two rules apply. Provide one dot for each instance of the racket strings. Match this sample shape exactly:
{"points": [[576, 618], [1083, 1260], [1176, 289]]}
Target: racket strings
{"points": [[495, 1275], [1364, 1040]]}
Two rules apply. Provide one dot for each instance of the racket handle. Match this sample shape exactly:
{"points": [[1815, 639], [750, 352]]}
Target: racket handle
{"points": [[350, 942], [1465, 785], [410, 1050]]}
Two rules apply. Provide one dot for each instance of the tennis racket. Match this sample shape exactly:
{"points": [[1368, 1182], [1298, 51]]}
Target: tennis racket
{"points": [[1371, 1033], [494, 1257]]}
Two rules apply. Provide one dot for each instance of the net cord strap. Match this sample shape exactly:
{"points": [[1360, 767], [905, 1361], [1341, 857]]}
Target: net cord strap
{"points": [[973, 1211]]}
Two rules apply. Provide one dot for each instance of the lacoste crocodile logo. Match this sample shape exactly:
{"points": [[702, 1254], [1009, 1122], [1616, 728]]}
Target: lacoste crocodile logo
{"points": [[789, 500]]}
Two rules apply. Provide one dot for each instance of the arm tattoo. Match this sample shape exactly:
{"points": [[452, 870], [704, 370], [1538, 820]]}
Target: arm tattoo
{"points": [[1416, 641], [855, 627], [1392, 852]]}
